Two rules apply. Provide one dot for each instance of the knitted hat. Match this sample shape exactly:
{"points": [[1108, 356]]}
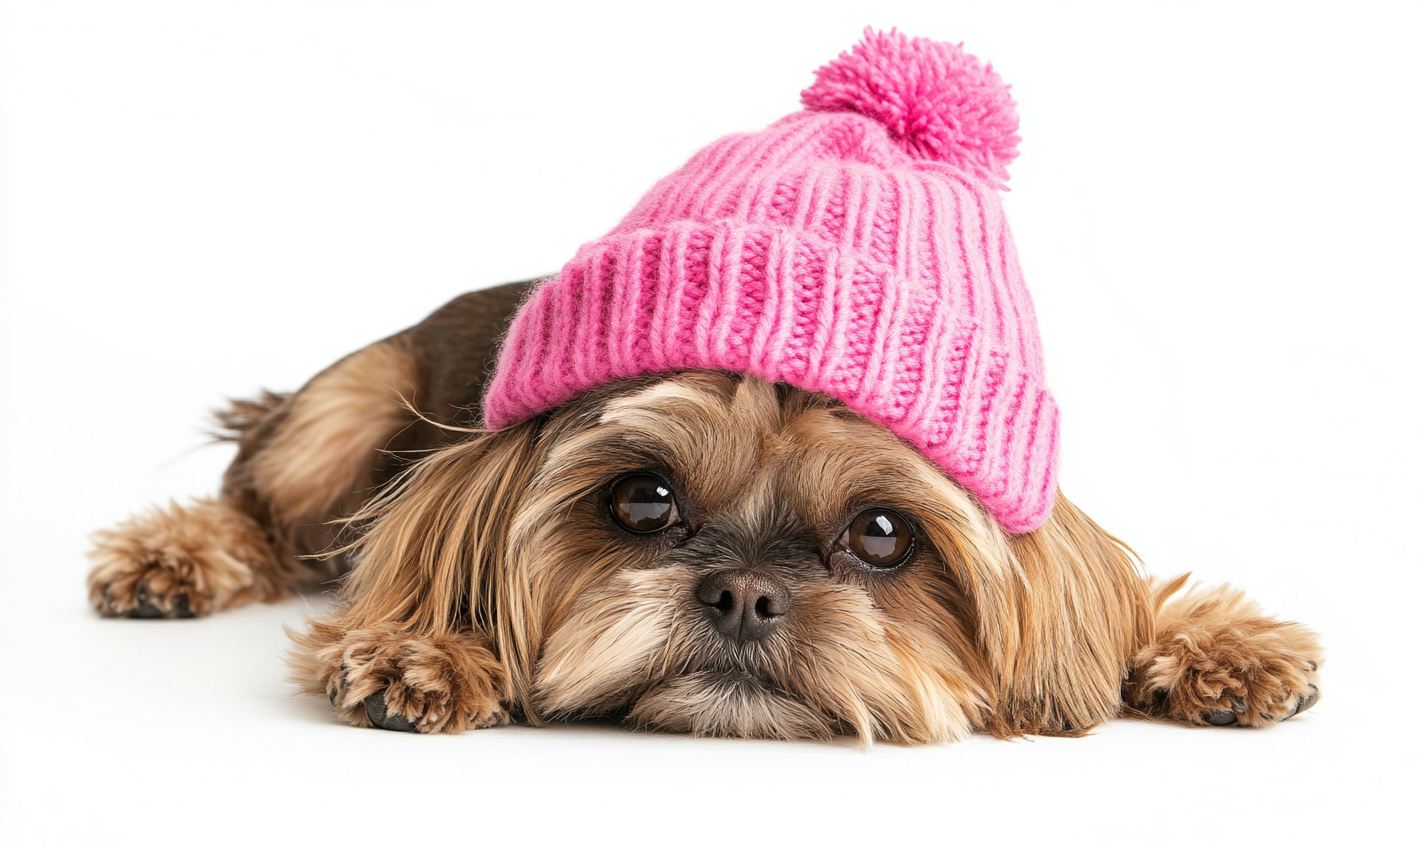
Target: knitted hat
{"points": [[856, 248]]}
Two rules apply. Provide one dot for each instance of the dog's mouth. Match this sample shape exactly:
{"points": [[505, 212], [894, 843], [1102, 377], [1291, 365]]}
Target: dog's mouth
{"points": [[721, 701], [727, 703]]}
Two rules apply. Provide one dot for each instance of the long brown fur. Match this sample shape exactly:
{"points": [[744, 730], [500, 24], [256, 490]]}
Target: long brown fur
{"points": [[488, 581]]}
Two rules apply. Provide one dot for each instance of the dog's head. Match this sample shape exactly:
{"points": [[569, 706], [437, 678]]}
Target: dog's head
{"points": [[716, 554]]}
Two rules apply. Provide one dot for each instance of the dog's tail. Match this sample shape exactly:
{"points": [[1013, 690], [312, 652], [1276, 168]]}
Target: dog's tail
{"points": [[244, 414]]}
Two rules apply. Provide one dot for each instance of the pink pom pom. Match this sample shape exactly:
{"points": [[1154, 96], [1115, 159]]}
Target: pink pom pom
{"points": [[935, 99]]}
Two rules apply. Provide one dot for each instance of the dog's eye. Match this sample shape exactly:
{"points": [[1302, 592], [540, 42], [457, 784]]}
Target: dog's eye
{"points": [[644, 504], [878, 537]]}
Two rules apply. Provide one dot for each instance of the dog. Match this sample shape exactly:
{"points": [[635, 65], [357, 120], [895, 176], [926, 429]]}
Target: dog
{"points": [[701, 552], [746, 540]]}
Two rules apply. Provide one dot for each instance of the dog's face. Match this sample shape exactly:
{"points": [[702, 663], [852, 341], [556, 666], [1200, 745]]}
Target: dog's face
{"points": [[724, 556], [719, 555]]}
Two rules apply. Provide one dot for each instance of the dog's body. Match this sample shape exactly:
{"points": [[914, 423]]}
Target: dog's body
{"points": [[697, 551]]}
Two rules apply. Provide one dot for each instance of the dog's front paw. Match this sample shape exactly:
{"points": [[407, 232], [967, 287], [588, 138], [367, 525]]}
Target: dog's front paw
{"points": [[178, 562], [1245, 673], [425, 684]]}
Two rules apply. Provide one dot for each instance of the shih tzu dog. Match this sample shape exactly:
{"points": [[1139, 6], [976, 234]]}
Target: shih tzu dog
{"points": [[772, 458]]}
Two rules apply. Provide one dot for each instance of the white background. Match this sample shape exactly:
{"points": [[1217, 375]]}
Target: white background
{"points": [[1218, 212]]}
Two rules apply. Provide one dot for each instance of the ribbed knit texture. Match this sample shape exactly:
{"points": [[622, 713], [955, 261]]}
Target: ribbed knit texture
{"points": [[858, 248]]}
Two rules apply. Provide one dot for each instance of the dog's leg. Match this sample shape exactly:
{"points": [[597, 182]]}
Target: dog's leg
{"points": [[303, 462], [1215, 659], [184, 561], [409, 645]]}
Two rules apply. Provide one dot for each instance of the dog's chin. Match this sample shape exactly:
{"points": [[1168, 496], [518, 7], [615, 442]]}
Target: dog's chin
{"points": [[727, 704]]}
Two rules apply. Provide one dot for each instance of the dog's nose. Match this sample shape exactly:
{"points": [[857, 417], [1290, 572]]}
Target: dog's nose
{"points": [[744, 605]]}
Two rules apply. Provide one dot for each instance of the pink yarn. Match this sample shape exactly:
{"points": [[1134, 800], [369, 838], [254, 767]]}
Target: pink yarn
{"points": [[933, 97], [857, 248]]}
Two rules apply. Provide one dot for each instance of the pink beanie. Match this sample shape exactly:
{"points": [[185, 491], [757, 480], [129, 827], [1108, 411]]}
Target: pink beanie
{"points": [[856, 248]]}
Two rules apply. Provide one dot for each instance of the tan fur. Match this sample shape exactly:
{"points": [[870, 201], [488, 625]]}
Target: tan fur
{"points": [[183, 560], [451, 682], [1078, 608], [715, 705], [333, 430], [492, 581], [425, 580], [1214, 651]]}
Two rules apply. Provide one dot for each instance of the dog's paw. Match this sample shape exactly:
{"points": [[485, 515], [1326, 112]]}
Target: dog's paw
{"points": [[179, 562], [1247, 673], [425, 684]]}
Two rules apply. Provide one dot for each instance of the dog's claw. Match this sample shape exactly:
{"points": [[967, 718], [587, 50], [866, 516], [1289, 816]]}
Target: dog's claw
{"points": [[1303, 703], [381, 717], [1221, 718]]}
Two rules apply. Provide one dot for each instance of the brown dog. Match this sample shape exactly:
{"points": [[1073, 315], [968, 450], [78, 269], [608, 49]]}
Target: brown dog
{"points": [[700, 552]]}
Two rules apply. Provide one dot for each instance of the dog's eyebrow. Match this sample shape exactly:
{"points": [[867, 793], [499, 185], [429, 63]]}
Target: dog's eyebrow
{"points": [[619, 410]]}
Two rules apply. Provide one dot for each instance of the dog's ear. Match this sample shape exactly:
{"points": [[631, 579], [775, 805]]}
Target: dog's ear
{"points": [[1058, 626], [430, 560]]}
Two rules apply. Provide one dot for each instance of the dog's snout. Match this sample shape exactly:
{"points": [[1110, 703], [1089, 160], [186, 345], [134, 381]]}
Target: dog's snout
{"points": [[744, 605]]}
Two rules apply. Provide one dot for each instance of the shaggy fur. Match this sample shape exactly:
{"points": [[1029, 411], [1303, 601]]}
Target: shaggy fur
{"points": [[489, 580]]}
